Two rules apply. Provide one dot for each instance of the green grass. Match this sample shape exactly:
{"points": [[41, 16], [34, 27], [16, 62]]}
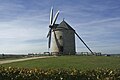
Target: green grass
{"points": [[79, 62]]}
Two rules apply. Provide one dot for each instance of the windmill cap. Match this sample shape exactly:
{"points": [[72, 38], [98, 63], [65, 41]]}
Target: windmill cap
{"points": [[64, 25]]}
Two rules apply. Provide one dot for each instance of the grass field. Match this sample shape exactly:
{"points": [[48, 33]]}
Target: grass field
{"points": [[65, 62]]}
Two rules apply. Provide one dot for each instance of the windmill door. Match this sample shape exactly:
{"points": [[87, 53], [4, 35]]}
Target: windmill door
{"points": [[61, 48]]}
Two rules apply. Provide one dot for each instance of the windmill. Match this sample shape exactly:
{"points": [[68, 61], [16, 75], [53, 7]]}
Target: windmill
{"points": [[62, 37]]}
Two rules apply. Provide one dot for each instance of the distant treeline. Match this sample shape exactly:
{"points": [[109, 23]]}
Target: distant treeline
{"points": [[2, 56]]}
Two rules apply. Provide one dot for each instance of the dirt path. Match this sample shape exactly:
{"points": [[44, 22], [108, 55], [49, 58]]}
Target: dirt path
{"points": [[16, 60]]}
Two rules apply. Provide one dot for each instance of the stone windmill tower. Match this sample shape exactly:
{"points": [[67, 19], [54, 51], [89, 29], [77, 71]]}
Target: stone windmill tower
{"points": [[62, 37]]}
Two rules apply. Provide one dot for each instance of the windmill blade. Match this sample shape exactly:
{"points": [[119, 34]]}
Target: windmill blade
{"points": [[48, 33], [55, 18], [84, 43], [51, 16], [49, 42]]}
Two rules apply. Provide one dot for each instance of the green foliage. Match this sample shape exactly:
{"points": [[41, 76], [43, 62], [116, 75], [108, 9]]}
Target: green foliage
{"points": [[11, 73]]}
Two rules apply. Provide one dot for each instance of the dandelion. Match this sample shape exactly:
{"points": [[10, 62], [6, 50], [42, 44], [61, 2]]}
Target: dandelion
{"points": [[9, 67], [61, 78], [111, 72]]}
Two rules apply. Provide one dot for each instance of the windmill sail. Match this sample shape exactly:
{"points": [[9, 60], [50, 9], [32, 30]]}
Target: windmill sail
{"points": [[55, 18], [49, 42], [51, 25], [51, 16]]}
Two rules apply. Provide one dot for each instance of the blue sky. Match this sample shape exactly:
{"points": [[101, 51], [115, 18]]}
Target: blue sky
{"points": [[24, 24]]}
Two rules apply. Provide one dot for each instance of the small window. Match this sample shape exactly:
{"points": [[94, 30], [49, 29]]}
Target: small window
{"points": [[60, 37]]}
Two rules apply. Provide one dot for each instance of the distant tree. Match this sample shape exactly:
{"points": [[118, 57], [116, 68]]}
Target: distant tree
{"points": [[2, 55]]}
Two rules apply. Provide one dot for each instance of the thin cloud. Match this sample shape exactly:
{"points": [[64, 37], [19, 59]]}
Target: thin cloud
{"points": [[100, 21]]}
